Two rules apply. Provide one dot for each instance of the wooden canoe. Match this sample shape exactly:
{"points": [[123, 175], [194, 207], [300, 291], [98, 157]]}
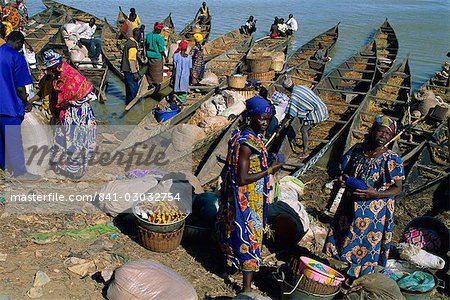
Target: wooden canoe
{"points": [[211, 168], [223, 43], [342, 91], [98, 76], [149, 127], [439, 86], [121, 17], [188, 34], [431, 169], [76, 13], [387, 46], [389, 97], [46, 16]]}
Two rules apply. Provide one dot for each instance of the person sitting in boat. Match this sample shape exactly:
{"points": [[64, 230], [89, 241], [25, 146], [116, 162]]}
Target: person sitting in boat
{"points": [[282, 28], [130, 66], [202, 16], [305, 105], [85, 36], [321, 54], [291, 24], [155, 46], [249, 27], [361, 230], [274, 28], [134, 18], [182, 62]]}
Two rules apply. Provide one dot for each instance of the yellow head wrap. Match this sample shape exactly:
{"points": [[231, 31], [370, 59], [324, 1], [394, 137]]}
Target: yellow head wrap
{"points": [[198, 37]]}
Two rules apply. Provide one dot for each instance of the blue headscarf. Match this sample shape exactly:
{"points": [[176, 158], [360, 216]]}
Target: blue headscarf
{"points": [[257, 105]]}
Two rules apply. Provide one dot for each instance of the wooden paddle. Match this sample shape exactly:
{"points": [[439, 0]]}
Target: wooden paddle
{"points": [[402, 131]]}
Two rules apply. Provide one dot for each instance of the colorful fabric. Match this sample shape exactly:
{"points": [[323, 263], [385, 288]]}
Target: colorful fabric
{"points": [[183, 66], [158, 26], [52, 58], [243, 209], [136, 23], [257, 105], [154, 45], [75, 140], [306, 105], [198, 37], [279, 98], [71, 87], [382, 120], [12, 16], [8, 28], [183, 45], [155, 70], [198, 64], [361, 231], [425, 239], [13, 74]]}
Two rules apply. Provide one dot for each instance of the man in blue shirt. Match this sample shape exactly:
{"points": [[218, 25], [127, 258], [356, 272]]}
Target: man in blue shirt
{"points": [[14, 76]]}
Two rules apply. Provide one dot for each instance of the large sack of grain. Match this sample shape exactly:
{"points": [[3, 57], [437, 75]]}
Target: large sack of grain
{"points": [[210, 79], [236, 109], [428, 101], [36, 136], [220, 103], [121, 190], [77, 55], [149, 280], [186, 135], [231, 97], [209, 108], [211, 124], [71, 28]]}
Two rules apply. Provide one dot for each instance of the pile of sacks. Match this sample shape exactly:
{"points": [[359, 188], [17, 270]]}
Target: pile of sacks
{"points": [[216, 112], [425, 101], [78, 53]]}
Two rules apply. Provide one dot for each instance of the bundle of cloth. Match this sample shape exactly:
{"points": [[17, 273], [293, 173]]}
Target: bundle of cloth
{"points": [[218, 111], [78, 52]]}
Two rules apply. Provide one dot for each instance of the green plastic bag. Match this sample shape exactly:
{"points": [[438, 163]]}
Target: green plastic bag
{"points": [[417, 282]]}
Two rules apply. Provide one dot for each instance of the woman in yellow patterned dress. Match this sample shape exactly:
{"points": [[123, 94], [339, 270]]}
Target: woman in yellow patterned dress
{"points": [[245, 189]]}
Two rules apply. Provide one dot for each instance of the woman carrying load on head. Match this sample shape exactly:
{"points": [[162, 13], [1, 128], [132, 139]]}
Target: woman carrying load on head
{"points": [[361, 231], [198, 60], [245, 188], [74, 142]]}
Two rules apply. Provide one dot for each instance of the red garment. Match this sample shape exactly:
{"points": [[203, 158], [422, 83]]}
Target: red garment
{"points": [[70, 86], [183, 45], [158, 26], [274, 35]]}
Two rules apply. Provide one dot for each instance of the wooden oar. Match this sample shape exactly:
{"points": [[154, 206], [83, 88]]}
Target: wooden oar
{"points": [[142, 92], [402, 131]]}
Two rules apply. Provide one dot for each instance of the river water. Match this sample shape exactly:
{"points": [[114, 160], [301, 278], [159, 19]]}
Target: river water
{"points": [[422, 27]]}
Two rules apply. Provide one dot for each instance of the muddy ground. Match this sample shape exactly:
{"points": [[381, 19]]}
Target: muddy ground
{"points": [[198, 261]]}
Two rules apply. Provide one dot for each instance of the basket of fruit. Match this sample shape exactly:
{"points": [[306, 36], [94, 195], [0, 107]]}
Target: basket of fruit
{"points": [[160, 216]]}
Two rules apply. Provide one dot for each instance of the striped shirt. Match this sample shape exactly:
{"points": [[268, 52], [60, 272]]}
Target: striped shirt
{"points": [[307, 106]]}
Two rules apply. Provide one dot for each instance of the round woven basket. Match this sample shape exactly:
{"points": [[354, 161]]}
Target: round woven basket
{"points": [[259, 64], [160, 242], [247, 93], [237, 81], [265, 76], [314, 287]]}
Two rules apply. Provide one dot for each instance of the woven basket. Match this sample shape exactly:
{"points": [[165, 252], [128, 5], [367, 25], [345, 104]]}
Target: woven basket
{"points": [[265, 76], [259, 64], [237, 81], [277, 65], [247, 93], [314, 287], [160, 242]]}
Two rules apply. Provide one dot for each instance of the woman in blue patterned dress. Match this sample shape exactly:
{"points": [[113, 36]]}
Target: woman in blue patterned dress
{"points": [[245, 188], [361, 231]]}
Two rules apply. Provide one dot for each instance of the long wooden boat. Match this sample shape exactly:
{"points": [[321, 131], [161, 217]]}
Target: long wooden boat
{"points": [[149, 127], [432, 167], [111, 48], [389, 97], [268, 44], [223, 43], [188, 32], [439, 86], [211, 168], [76, 13], [387, 46], [121, 17], [46, 16]]}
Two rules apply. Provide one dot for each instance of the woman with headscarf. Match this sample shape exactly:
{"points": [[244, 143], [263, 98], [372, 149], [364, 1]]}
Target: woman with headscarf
{"points": [[244, 192], [198, 60], [361, 231], [182, 69], [154, 46], [74, 142]]}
